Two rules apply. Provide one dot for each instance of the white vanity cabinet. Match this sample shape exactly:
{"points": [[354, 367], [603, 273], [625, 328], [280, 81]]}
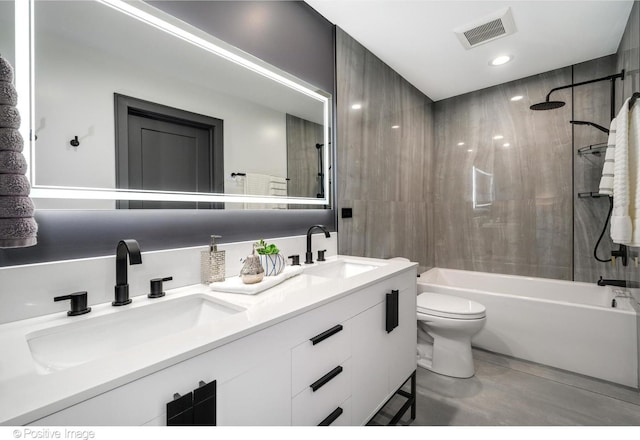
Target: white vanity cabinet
{"points": [[335, 363], [388, 358]]}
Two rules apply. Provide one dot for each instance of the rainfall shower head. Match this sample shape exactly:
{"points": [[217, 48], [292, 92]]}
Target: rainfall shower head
{"points": [[547, 105]]}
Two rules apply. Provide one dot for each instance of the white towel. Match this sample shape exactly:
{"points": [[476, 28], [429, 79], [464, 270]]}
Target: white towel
{"points": [[634, 173], [235, 284], [606, 182], [621, 225], [256, 184]]}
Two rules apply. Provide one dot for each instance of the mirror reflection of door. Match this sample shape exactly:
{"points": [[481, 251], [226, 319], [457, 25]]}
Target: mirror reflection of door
{"points": [[162, 148]]}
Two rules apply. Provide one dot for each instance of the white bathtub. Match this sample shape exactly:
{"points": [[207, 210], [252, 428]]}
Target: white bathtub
{"points": [[563, 324]]}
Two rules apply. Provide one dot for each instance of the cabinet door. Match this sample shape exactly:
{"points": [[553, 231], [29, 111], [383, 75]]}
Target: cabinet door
{"points": [[386, 360], [402, 341], [258, 397], [370, 357]]}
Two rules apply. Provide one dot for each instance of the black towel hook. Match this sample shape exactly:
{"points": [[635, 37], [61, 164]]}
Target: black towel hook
{"points": [[75, 142]]}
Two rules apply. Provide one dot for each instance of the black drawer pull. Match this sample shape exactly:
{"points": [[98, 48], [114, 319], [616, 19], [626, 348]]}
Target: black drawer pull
{"points": [[331, 417], [326, 378], [326, 334], [392, 311], [180, 410]]}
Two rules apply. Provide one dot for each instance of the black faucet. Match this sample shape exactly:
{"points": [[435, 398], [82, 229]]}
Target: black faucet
{"points": [[618, 283], [309, 254], [125, 247]]}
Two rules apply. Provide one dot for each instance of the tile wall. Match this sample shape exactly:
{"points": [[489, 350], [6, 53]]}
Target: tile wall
{"points": [[384, 159]]}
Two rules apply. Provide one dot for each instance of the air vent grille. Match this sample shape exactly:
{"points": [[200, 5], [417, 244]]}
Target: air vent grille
{"points": [[491, 27], [485, 32]]}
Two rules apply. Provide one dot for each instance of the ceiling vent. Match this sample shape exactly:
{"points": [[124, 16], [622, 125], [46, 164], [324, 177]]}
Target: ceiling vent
{"points": [[494, 26]]}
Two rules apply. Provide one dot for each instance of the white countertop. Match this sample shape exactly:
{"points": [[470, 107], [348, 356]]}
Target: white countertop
{"points": [[27, 394]]}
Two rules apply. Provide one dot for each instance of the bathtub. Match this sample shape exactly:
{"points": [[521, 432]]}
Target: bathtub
{"points": [[563, 324]]}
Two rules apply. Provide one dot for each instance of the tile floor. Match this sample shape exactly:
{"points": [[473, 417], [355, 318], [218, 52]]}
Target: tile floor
{"points": [[511, 392]]}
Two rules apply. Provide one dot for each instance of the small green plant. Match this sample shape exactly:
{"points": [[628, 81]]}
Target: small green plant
{"points": [[263, 248]]}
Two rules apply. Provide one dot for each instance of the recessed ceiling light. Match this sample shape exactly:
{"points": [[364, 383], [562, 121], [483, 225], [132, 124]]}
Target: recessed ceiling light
{"points": [[502, 59], [517, 98], [470, 150], [506, 144], [356, 106], [460, 144], [498, 136], [395, 126]]}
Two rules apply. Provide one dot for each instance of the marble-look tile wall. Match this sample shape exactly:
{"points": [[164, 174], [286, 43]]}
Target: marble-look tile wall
{"points": [[503, 185], [383, 173]]}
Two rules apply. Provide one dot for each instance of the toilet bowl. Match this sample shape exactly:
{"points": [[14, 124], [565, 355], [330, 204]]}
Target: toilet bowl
{"points": [[449, 323]]}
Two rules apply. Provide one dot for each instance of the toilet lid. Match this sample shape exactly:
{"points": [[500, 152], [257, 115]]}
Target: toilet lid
{"points": [[448, 306]]}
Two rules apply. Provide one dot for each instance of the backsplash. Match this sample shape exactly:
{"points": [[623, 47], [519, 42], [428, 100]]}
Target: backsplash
{"points": [[28, 291]]}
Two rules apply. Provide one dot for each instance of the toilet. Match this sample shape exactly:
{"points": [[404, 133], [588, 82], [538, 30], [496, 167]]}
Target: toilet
{"points": [[446, 325]]}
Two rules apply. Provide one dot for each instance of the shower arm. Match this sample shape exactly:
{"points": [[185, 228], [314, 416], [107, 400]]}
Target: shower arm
{"points": [[611, 78]]}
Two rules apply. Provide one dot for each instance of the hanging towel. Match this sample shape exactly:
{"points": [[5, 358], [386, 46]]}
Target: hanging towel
{"points": [[265, 185], [621, 226], [256, 184], [634, 171], [278, 187], [606, 182]]}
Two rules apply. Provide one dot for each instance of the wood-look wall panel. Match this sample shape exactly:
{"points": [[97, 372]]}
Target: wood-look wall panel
{"points": [[500, 208], [384, 173]]}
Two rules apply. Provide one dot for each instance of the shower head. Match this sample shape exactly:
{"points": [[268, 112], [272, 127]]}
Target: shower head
{"points": [[547, 105]]}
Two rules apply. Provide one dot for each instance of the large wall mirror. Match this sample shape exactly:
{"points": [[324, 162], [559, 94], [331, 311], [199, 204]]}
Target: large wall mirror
{"points": [[133, 108]]}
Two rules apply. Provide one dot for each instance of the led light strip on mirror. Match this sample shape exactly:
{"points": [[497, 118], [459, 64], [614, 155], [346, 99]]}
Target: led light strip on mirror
{"points": [[147, 14]]}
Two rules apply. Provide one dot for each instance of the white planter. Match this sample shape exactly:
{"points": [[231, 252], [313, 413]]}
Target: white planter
{"points": [[272, 264]]}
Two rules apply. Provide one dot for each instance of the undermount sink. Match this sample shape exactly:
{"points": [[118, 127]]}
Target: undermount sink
{"points": [[339, 269], [76, 343]]}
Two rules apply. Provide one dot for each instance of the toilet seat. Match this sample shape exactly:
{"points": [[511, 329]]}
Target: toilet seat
{"points": [[447, 306]]}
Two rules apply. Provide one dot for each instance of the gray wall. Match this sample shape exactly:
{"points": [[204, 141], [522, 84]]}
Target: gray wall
{"points": [[302, 157], [524, 227], [288, 34], [383, 174]]}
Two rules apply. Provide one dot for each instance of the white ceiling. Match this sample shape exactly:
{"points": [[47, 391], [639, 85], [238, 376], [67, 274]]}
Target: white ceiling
{"points": [[416, 38]]}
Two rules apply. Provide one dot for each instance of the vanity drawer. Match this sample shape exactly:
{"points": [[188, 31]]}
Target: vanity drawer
{"points": [[310, 407], [310, 361]]}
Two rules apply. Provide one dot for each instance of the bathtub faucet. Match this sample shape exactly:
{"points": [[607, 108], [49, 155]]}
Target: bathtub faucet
{"points": [[618, 283], [621, 252]]}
